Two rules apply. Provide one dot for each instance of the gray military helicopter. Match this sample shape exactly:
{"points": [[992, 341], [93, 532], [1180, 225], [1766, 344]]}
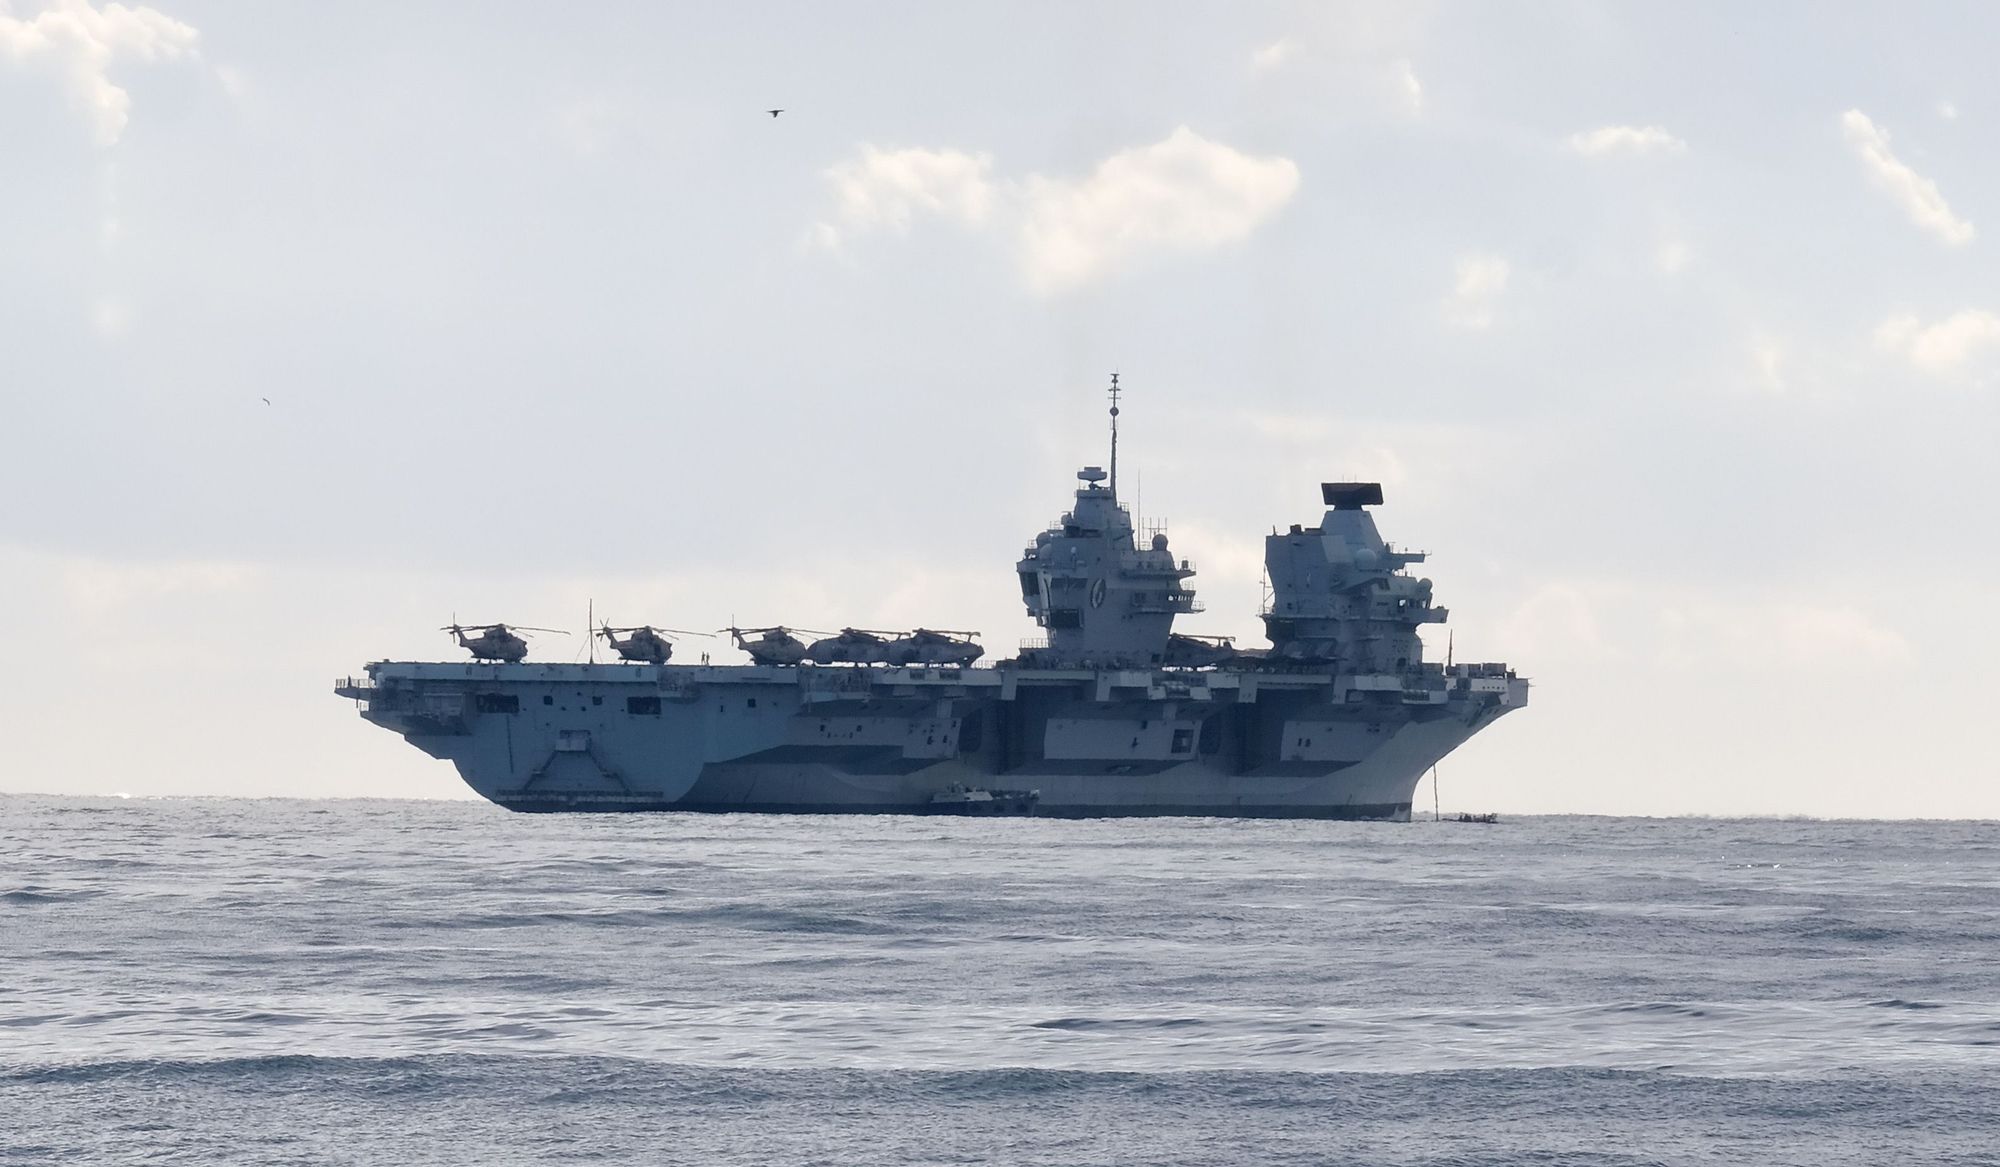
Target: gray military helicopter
{"points": [[645, 644], [1199, 652], [774, 645], [495, 642], [854, 646], [927, 646]]}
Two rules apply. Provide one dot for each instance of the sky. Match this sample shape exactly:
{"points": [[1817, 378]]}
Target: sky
{"points": [[1671, 331]]}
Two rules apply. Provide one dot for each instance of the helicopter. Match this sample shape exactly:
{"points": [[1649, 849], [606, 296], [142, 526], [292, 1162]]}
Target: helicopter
{"points": [[1195, 652], [774, 645], [854, 646], [645, 644], [495, 642], [927, 646]]}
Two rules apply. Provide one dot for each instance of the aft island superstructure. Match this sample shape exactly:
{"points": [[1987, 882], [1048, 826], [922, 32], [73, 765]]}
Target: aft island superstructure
{"points": [[1112, 713]]}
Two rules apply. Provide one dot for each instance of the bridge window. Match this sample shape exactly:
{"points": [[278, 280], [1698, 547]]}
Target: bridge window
{"points": [[548, 699], [646, 706], [1183, 740], [496, 703]]}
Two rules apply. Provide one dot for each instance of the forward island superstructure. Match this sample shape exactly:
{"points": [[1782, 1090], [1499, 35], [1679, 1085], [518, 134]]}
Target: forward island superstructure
{"points": [[1111, 713]]}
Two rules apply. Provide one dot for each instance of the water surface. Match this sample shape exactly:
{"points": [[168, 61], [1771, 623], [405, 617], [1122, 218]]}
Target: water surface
{"points": [[196, 981]]}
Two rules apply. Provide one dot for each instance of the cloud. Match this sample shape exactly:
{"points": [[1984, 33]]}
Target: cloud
{"points": [[1558, 618], [889, 188], [1705, 632], [1183, 194], [110, 317], [82, 42], [1699, 627], [1481, 280], [1408, 87], [1917, 195], [1350, 61], [1272, 55], [1769, 358], [1625, 140], [1944, 348], [94, 587], [1672, 256]]}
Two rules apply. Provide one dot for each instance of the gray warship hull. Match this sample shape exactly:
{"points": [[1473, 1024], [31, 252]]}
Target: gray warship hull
{"points": [[885, 740]]}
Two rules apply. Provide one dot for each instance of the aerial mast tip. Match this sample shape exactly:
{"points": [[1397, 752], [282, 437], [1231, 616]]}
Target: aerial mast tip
{"points": [[1114, 435]]}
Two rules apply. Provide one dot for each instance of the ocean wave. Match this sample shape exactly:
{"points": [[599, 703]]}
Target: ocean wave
{"points": [[35, 896], [1119, 1024]]}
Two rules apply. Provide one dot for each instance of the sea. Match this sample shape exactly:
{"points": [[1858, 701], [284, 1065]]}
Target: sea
{"points": [[280, 981]]}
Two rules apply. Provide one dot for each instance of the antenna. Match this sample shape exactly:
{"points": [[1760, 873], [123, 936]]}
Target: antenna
{"points": [[590, 626], [1114, 435]]}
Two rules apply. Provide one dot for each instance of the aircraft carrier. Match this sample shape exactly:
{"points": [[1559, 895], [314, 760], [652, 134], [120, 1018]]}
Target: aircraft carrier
{"points": [[1111, 713]]}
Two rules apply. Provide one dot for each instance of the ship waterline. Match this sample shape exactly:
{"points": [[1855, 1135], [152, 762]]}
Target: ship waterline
{"points": [[606, 737]]}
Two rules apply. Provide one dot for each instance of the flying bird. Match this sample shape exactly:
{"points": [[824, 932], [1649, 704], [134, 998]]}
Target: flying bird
{"points": [[774, 112], [265, 400]]}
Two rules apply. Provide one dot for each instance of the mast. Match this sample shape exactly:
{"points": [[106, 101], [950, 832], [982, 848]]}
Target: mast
{"points": [[1114, 435]]}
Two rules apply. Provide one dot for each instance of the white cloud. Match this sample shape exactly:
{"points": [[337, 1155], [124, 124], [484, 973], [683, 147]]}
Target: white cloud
{"points": [[1359, 60], [1917, 195], [1948, 111], [94, 587], [1557, 618], [1625, 140], [1672, 255], [1694, 627], [82, 42], [1707, 632], [1481, 280], [1408, 87], [1768, 359], [1272, 55], [1944, 348], [889, 188], [110, 317], [1185, 193]]}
